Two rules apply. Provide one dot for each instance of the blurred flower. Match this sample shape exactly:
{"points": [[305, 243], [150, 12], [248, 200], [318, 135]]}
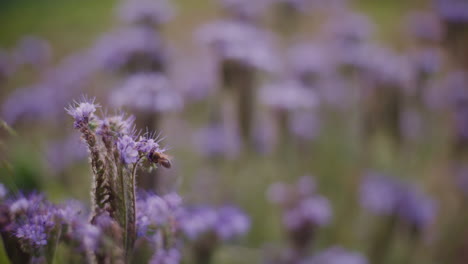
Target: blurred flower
{"points": [[147, 12], [216, 140], [455, 11], [57, 87], [305, 125], [156, 212], [147, 92], [241, 43], [311, 62], [288, 95], [349, 30], [135, 49], [304, 211], [61, 154], [226, 223], [425, 26], [427, 62], [337, 255], [383, 195], [33, 51]]}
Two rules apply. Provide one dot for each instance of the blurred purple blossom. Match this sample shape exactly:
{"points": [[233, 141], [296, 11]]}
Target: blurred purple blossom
{"points": [[155, 212], [147, 12], [226, 222], [131, 49], [455, 11], [383, 195], [240, 42], [425, 26], [147, 92], [311, 62], [217, 140], [305, 125], [57, 87], [62, 154], [32, 50], [288, 95], [349, 29], [336, 255], [303, 210]]}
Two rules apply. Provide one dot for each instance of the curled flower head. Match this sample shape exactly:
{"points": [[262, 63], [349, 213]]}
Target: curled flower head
{"points": [[82, 112], [128, 149]]}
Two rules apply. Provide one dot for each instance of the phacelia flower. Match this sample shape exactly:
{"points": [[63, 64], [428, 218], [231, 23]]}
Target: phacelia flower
{"points": [[82, 112], [128, 149]]}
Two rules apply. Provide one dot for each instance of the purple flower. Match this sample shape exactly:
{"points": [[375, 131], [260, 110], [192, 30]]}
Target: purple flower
{"points": [[380, 193], [32, 235], [455, 11], [131, 50], [83, 111], [305, 125], [337, 255], [350, 30], [425, 26], [64, 153], [240, 42], [128, 149], [217, 140], [155, 212], [226, 223], [148, 92], [116, 124], [314, 211], [288, 95], [310, 62], [383, 195], [33, 51], [148, 12], [232, 223]]}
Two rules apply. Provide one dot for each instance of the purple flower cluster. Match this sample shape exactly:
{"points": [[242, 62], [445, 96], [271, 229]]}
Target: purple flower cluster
{"points": [[158, 212], [387, 196], [240, 42], [33, 220], [226, 223], [149, 92], [303, 209]]}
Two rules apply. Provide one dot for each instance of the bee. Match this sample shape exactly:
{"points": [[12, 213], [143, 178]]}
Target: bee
{"points": [[160, 158]]}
